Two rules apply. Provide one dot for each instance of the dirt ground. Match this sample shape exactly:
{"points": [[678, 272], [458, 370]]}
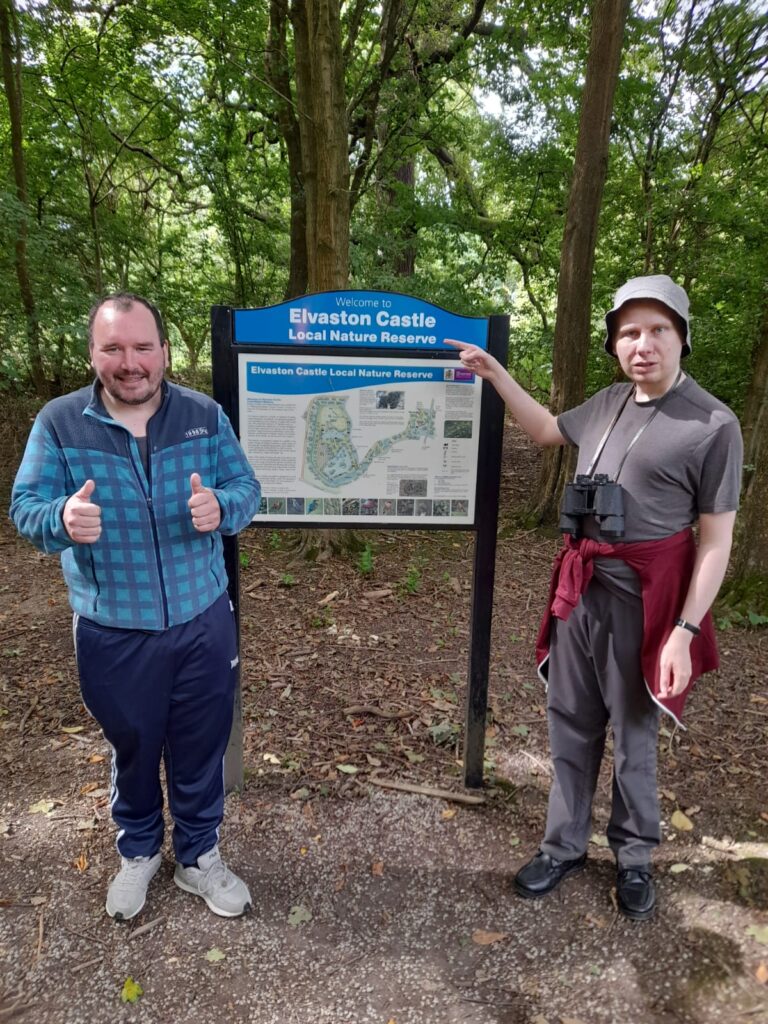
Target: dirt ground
{"points": [[373, 906]]}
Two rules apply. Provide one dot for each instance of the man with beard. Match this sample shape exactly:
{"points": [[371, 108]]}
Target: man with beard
{"points": [[134, 480]]}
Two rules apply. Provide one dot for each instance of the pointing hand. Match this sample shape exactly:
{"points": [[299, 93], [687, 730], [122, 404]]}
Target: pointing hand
{"points": [[204, 506], [81, 517]]}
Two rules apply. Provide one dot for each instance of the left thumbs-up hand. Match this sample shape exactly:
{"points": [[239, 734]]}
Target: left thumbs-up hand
{"points": [[204, 506]]}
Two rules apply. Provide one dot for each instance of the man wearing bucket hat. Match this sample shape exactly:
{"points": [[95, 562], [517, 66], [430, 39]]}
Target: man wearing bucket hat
{"points": [[627, 627]]}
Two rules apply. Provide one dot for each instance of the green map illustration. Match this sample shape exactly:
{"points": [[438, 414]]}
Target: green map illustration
{"points": [[331, 460]]}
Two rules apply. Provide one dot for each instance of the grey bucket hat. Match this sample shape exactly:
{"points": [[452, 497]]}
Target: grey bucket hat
{"points": [[659, 287]]}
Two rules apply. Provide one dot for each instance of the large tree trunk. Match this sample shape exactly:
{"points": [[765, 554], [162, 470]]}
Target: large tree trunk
{"points": [[323, 131], [574, 294], [278, 70], [11, 60], [751, 556]]}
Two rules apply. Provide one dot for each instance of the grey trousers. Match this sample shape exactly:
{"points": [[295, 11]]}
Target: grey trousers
{"points": [[595, 678]]}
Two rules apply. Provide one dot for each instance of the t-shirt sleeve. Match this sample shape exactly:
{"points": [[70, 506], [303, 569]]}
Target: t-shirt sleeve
{"points": [[720, 457]]}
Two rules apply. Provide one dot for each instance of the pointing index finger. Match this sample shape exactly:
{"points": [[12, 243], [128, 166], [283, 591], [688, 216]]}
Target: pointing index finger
{"points": [[457, 344]]}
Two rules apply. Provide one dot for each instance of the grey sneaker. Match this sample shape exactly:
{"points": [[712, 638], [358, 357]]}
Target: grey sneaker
{"points": [[225, 893], [128, 889]]}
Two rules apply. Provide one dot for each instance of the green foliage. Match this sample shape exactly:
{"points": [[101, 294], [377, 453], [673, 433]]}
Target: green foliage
{"points": [[365, 561], [287, 579], [412, 582], [743, 603]]}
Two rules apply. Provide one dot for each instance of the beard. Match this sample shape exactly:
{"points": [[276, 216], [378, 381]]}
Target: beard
{"points": [[125, 389]]}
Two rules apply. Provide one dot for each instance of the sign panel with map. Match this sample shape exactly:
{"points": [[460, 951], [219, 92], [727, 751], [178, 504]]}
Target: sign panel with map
{"points": [[361, 440]]}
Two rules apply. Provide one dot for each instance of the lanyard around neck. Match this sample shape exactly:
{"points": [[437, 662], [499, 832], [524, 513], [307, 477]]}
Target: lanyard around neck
{"points": [[604, 439]]}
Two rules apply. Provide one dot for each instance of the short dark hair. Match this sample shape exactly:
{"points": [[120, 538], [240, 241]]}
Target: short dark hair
{"points": [[124, 301]]}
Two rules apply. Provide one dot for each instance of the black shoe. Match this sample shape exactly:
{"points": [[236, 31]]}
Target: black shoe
{"points": [[544, 873], [636, 893]]}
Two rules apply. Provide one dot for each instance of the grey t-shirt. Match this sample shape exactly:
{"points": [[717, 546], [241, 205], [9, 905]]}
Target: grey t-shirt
{"points": [[687, 461]]}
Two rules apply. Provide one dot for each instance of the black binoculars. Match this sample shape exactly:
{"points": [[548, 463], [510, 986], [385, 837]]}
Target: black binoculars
{"points": [[593, 496]]}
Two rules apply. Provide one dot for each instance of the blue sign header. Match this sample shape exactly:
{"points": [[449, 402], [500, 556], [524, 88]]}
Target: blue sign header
{"points": [[358, 319]]}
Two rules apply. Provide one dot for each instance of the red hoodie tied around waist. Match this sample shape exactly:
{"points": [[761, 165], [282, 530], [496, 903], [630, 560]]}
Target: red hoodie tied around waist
{"points": [[664, 568]]}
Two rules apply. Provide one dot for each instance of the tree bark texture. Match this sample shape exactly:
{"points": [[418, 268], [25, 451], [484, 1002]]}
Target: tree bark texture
{"points": [[751, 556], [322, 119], [278, 70], [574, 294], [11, 61]]}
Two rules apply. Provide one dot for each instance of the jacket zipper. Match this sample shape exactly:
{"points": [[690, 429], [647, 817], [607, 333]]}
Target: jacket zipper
{"points": [[153, 521]]}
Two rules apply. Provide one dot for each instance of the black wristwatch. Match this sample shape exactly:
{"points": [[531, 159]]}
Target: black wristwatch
{"points": [[687, 625]]}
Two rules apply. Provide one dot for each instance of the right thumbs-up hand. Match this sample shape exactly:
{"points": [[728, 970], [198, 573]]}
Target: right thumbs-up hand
{"points": [[82, 518]]}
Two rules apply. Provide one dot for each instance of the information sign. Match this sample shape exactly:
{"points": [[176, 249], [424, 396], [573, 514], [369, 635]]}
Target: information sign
{"points": [[367, 441]]}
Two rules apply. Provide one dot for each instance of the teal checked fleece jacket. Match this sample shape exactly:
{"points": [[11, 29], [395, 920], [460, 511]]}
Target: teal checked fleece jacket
{"points": [[150, 569]]}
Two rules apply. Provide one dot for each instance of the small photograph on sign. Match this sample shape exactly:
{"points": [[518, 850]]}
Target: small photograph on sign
{"points": [[369, 506], [457, 428], [388, 507], [390, 399], [459, 507], [350, 507], [405, 507], [332, 506], [277, 506], [314, 506], [441, 508], [410, 488], [295, 506], [423, 507]]}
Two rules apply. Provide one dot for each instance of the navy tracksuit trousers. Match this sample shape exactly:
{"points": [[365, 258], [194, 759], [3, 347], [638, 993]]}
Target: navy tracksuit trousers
{"points": [[163, 696]]}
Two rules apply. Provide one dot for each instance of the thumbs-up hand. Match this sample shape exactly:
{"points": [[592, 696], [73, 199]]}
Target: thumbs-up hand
{"points": [[81, 516], [204, 506]]}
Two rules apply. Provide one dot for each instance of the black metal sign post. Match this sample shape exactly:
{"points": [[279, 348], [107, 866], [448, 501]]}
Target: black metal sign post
{"points": [[228, 346]]}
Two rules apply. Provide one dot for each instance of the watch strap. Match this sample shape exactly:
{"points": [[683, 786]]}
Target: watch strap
{"points": [[683, 624]]}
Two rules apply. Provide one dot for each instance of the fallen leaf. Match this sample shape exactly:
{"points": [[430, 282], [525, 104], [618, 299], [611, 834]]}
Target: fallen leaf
{"points": [[483, 938], [81, 863], [299, 915], [669, 795], [85, 825], [538, 1019], [690, 811], [131, 990], [519, 730], [448, 813], [70, 730], [514, 841], [571, 1020], [413, 757], [678, 869], [96, 759], [375, 762], [41, 807], [681, 822], [300, 794], [597, 922], [88, 788], [597, 840], [764, 815], [5, 828], [348, 769], [762, 972], [304, 850], [214, 955], [758, 932], [271, 759], [37, 901], [377, 868]]}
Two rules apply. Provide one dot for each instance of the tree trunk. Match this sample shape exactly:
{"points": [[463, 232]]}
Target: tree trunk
{"points": [[323, 132], [11, 60], [751, 555], [574, 294], [280, 79]]}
